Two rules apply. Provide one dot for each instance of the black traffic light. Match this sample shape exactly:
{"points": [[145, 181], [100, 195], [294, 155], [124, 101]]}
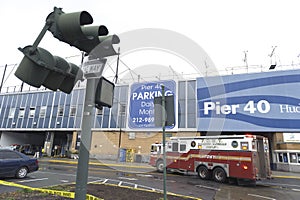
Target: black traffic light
{"points": [[69, 28], [39, 67], [169, 111]]}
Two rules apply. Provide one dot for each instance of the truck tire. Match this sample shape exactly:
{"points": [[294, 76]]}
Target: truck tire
{"points": [[160, 166], [219, 175], [203, 172]]}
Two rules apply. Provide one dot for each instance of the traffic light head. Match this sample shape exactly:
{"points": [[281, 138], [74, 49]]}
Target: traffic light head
{"points": [[70, 28], [39, 67], [34, 67]]}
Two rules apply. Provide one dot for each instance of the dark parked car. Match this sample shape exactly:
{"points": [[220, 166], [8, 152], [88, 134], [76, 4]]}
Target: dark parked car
{"points": [[29, 149], [16, 164]]}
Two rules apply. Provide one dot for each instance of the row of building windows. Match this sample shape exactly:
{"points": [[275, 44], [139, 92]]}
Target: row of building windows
{"points": [[288, 157], [42, 112]]}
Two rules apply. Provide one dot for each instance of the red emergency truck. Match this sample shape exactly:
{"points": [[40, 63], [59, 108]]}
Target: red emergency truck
{"points": [[241, 157]]}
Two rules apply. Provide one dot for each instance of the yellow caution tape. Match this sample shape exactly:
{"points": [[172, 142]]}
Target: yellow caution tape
{"points": [[55, 192]]}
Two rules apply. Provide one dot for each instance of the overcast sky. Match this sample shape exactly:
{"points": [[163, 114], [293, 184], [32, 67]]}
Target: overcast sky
{"points": [[225, 29]]}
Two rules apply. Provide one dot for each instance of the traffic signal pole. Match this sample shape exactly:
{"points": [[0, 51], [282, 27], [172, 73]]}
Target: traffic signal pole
{"points": [[40, 68], [85, 140], [41, 35], [164, 139]]}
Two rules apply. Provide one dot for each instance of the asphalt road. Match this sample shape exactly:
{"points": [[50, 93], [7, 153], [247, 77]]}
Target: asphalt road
{"points": [[141, 176]]}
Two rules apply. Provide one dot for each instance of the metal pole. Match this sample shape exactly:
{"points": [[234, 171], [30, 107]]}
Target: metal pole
{"points": [[164, 139], [41, 35], [85, 142], [120, 135]]}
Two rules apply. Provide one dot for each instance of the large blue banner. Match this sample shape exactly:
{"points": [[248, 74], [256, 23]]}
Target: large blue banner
{"points": [[141, 102], [267, 101]]}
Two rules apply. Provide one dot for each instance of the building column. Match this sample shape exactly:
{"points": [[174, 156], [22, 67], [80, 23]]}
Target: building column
{"points": [[48, 143]]}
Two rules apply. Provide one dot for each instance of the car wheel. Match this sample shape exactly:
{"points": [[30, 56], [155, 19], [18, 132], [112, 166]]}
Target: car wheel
{"points": [[22, 172], [219, 175], [160, 166], [203, 172]]}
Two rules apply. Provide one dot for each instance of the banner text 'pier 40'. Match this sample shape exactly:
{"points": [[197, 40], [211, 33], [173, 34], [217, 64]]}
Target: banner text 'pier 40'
{"points": [[266, 101]]}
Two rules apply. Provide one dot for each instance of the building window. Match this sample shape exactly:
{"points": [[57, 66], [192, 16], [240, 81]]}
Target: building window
{"points": [[293, 158], [122, 109], [282, 158], [21, 112], [43, 111], [31, 112], [73, 111], [60, 111], [99, 111], [11, 113]]}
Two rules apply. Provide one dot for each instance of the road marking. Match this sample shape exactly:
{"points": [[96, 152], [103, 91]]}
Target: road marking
{"points": [[292, 177], [297, 190], [207, 187], [64, 181], [120, 183], [32, 180], [105, 180], [104, 164], [263, 197], [130, 179], [144, 175]]}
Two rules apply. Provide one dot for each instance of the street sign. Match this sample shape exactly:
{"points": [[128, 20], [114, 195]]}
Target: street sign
{"points": [[93, 68], [141, 103]]}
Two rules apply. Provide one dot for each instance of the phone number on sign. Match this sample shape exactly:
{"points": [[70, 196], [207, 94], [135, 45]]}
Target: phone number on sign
{"points": [[142, 119]]}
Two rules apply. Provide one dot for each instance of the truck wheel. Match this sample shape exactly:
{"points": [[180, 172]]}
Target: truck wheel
{"points": [[219, 175], [203, 172], [160, 166]]}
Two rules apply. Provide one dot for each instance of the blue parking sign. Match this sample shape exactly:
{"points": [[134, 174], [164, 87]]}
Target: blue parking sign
{"points": [[141, 103]]}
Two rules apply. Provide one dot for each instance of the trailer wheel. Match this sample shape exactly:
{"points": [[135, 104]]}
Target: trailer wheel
{"points": [[219, 175], [160, 166], [203, 172]]}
